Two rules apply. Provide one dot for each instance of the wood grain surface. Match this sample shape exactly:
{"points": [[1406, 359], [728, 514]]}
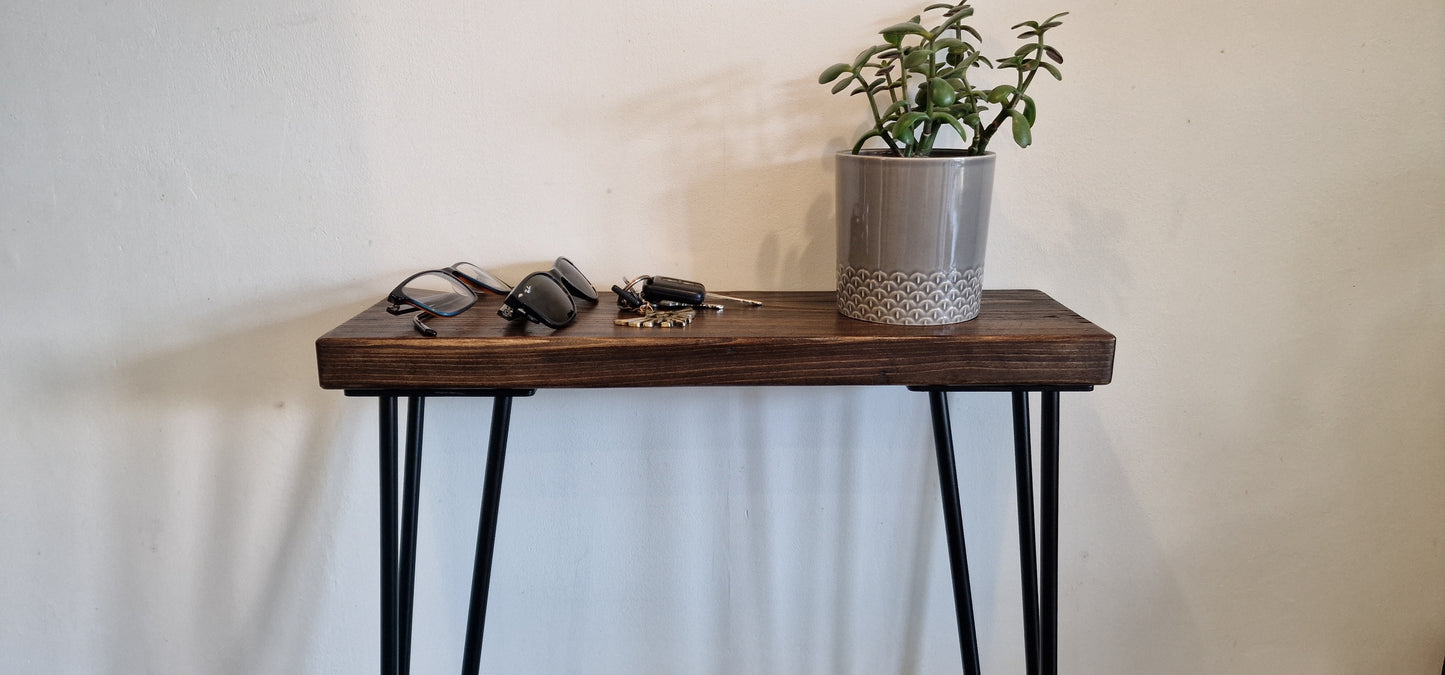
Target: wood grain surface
{"points": [[1021, 337]]}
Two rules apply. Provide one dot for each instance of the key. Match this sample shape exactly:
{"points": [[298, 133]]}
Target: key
{"points": [[669, 304], [654, 318], [745, 301]]}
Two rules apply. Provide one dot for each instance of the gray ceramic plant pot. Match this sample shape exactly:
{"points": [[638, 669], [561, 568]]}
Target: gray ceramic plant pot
{"points": [[911, 236]]}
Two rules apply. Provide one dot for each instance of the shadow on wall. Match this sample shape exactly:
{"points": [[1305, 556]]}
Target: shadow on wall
{"points": [[762, 197], [219, 497], [1115, 569]]}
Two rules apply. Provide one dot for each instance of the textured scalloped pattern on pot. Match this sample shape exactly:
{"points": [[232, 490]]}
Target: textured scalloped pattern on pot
{"points": [[917, 299]]}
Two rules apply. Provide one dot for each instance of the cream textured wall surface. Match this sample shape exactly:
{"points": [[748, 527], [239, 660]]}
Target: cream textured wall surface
{"points": [[1250, 195]]}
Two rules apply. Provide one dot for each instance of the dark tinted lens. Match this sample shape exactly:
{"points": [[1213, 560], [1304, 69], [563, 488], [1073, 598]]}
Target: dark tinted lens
{"points": [[481, 278], [544, 299], [438, 293], [576, 282]]}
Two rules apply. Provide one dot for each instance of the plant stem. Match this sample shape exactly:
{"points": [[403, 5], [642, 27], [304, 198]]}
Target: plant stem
{"points": [[877, 117], [1023, 85], [930, 128]]}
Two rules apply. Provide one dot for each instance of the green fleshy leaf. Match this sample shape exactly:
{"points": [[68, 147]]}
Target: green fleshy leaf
{"points": [[1054, 54], [832, 73], [1030, 24], [1022, 135], [902, 133], [872, 133], [842, 84], [948, 43], [951, 21], [866, 54], [905, 28], [1031, 112], [1001, 93], [952, 121], [1053, 70], [911, 119], [917, 58], [941, 92]]}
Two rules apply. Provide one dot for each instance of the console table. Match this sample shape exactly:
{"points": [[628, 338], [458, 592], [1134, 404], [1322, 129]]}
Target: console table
{"points": [[1022, 341]]}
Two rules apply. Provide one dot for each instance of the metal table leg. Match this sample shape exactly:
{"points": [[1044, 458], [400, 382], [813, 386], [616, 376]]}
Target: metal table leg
{"points": [[398, 549], [411, 489], [953, 525], [1049, 520], [1028, 556], [486, 535], [390, 645], [1039, 567]]}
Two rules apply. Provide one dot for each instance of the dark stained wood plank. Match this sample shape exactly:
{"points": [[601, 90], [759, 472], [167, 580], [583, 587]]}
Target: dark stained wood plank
{"points": [[1021, 337]]}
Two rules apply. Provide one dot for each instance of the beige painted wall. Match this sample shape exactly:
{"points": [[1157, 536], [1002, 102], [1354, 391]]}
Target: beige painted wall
{"points": [[1250, 195]]}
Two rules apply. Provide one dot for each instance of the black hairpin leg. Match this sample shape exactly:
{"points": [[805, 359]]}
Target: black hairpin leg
{"points": [[411, 489], [1049, 520], [953, 526], [486, 535], [1028, 555], [398, 548], [390, 645]]}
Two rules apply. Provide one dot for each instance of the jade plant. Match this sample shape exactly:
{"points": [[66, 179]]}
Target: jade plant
{"points": [[920, 83]]}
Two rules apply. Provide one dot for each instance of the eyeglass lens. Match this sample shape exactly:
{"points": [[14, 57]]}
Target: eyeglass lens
{"points": [[481, 277], [543, 298], [575, 281], [438, 293]]}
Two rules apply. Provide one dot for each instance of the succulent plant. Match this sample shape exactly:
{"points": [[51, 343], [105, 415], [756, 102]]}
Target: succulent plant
{"points": [[918, 89]]}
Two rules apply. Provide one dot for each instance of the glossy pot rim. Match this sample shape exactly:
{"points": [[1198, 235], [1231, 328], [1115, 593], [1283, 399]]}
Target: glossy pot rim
{"points": [[947, 155]]}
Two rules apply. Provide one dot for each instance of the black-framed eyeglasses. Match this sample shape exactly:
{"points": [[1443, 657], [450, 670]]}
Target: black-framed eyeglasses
{"points": [[546, 297], [445, 292]]}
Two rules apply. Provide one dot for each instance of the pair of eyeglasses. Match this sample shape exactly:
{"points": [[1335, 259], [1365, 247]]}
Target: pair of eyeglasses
{"points": [[452, 290]]}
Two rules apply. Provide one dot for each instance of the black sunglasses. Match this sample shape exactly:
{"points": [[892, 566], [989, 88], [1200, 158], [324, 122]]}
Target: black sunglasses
{"points": [[546, 297]]}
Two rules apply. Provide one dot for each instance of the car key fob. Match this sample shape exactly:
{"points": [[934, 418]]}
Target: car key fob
{"points": [[667, 289]]}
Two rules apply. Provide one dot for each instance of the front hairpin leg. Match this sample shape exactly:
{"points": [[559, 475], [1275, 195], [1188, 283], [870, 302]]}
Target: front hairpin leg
{"points": [[486, 535], [1049, 521], [953, 525], [1028, 551], [411, 488], [390, 644]]}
